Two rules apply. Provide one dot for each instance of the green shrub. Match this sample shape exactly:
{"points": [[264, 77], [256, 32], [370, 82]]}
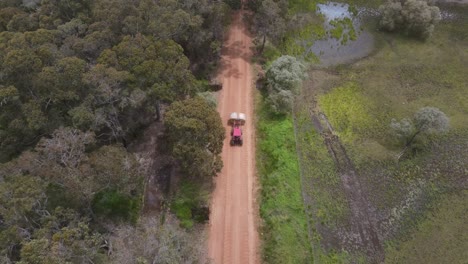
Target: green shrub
{"points": [[183, 211], [190, 204], [111, 203]]}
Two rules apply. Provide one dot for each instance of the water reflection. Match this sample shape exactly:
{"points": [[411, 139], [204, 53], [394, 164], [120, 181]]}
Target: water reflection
{"points": [[333, 10], [333, 51]]}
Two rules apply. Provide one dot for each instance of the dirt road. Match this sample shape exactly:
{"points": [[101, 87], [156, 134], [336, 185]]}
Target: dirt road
{"points": [[233, 234]]}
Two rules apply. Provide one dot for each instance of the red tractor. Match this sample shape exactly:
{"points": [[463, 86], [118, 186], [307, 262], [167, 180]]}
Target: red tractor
{"points": [[236, 120]]}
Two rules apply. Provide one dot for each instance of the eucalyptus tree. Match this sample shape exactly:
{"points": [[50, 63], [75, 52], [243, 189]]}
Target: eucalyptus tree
{"points": [[427, 120], [195, 133], [284, 78], [413, 17]]}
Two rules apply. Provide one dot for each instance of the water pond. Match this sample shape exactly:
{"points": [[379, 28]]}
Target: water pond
{"points": [[346, 41]]}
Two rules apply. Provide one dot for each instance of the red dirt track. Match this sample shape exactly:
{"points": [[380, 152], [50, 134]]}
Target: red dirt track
{"points": [[233, 236]]}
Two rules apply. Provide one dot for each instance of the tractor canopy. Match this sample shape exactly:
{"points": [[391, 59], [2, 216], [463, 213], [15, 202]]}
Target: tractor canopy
{"points": [[236, 119], [234, 116]]}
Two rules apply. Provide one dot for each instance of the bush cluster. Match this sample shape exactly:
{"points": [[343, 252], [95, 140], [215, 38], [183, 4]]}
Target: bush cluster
{"points": [[414, 17], [284, 77]]}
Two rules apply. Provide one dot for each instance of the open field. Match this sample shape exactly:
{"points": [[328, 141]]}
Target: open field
{"points": [[441, 238], [359, 101]]}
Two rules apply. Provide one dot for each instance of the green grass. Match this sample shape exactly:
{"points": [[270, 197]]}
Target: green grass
{"points": [[440, 238], [326, 204], [320, 174], [284, 233], [402, 76], [189, 203], [360, 100]]}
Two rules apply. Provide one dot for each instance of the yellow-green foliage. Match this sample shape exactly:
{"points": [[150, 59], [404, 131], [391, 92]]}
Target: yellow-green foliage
{"points": [[347, 110], [298, 41]]}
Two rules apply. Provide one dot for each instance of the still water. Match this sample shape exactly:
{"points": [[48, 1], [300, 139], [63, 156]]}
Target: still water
{"points": [[333, 51]]}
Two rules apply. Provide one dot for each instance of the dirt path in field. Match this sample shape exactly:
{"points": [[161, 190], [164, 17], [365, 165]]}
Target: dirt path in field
{"points": [[361, 233], [363, 226], [233, 236]]}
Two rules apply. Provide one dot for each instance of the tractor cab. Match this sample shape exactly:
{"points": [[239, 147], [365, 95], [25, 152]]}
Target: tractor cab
{"points": [[236, 132], [236, 120]]}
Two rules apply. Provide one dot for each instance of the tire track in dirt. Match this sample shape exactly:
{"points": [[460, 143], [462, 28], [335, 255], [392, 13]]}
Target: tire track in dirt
{"points": [[363, 224], [233, 236]]}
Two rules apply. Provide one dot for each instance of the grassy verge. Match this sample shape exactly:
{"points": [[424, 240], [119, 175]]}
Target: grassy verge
{"points": [[284, 230]]}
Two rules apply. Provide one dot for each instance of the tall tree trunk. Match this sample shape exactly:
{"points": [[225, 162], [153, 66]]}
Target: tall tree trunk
{"points": [[263, 45], [158, 111], [407, 145], [410, 141]]}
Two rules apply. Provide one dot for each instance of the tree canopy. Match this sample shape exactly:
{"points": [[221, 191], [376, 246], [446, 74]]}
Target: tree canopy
{"points": [[79, 80], [427, 120], [431, 119], [101, 65], [196, 135], [414, 17], [284, 77], [269, 20]]}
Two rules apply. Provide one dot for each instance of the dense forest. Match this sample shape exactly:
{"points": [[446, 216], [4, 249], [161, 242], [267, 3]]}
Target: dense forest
{"points": [[79, 81]]}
